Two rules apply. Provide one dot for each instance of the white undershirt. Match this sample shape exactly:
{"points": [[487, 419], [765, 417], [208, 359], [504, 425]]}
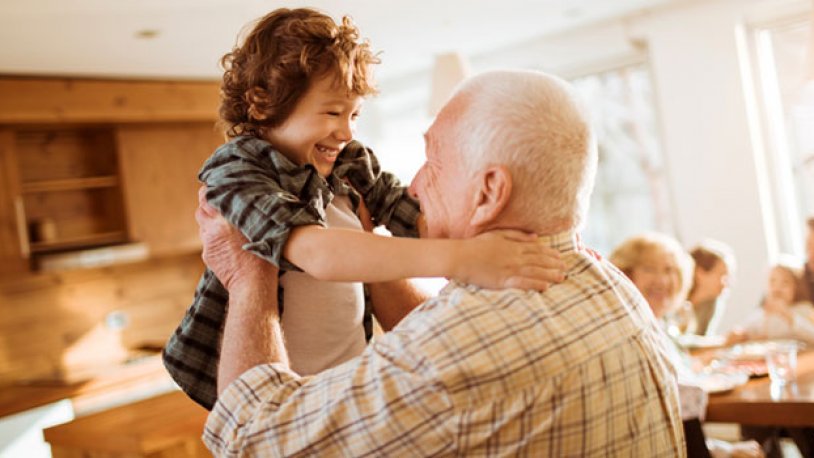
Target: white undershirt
{"points": [[322, 321]]}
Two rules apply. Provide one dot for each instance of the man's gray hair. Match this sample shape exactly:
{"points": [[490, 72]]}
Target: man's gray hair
{"points": [[533, 124]]}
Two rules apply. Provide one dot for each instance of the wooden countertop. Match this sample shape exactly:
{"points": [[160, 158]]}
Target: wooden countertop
{"points": [[121, 380], [167, 422]]}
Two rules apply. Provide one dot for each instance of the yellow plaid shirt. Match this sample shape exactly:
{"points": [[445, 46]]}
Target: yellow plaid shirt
{"points": [[579, 370]]}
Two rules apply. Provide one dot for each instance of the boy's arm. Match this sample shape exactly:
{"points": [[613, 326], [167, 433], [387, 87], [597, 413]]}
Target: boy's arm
{"points": [[386, 198], [499, 259], [263, 195]]}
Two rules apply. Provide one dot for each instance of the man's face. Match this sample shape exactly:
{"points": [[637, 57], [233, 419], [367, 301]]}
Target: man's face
{"points": [[321, 124], [442, 185]]}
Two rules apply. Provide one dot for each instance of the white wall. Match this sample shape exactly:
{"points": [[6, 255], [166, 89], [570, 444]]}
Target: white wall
{"points": [[706, 137], [694, 57]]}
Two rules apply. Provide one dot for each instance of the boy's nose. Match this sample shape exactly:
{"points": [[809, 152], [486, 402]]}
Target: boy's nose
{"points": [[344, 131]]}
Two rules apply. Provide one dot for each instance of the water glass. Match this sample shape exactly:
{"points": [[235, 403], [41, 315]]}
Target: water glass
{"points": [[781, 360]]}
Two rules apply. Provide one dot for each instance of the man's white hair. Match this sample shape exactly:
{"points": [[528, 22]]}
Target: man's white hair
{"points": [[533, 124]]}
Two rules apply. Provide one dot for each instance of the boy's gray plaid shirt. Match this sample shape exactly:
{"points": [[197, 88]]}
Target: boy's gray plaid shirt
{"points": [[265, 195]]}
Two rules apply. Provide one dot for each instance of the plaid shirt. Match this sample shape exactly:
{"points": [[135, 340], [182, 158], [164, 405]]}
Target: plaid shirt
{"points": [[581, 369], [265, 195]]}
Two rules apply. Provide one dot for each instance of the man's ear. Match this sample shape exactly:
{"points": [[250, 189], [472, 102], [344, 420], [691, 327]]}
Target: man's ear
{"points": [[492, 195]]}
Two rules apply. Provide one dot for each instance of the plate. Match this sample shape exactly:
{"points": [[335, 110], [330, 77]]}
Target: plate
{"points": [[753, 351], [694, 341], [719, 382]]}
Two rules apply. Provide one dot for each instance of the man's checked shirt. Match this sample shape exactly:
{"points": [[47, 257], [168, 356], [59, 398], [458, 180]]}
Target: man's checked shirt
{"points": [[265, 195], [578, 370]]}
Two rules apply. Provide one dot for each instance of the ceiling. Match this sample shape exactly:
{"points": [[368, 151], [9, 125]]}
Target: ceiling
{"points": [[186, 38]]}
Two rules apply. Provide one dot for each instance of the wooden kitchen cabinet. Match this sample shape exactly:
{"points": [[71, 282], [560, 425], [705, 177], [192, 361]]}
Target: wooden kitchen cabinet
{"points": [[13, 248], [159, 166], [89, 164], [70, 188]]}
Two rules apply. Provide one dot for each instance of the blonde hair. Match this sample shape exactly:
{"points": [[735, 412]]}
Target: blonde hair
{"points": [[631, 253]]}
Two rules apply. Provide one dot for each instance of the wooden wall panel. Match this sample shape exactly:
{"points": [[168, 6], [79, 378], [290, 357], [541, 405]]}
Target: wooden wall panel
{"points": [[13, 250], [160, 165], [68, 100], [60, 153], [53, 326]]}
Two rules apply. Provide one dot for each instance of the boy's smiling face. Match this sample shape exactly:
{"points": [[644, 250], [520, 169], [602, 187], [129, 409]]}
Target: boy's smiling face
{"points": [[319, 127]]}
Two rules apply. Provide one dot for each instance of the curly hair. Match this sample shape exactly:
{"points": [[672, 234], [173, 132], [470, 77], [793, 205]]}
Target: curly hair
{"points": [[268, 74]]}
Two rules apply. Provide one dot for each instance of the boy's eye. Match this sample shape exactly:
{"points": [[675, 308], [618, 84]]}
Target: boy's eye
{"points": [[333, 113], [354, 115]]}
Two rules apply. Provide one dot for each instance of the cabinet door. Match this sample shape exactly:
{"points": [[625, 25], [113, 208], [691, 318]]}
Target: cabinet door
{"points": [[159, 168], [13, 235]]}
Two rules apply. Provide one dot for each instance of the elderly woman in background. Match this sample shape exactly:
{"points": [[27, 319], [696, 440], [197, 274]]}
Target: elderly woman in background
{"points": [[662, 270], [714, 267]]}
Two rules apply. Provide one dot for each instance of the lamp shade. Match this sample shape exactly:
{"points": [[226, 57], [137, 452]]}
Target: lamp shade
{"points": [[449, 70]]}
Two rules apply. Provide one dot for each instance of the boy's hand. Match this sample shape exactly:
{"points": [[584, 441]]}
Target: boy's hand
{"points": [[223, 252], [509, 259]]}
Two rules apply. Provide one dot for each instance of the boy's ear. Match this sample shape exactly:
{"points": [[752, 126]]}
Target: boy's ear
{"points": [[494, 187]]}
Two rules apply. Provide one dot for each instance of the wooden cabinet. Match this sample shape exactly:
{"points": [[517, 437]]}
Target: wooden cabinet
{"points": [[71, 193], [87, 164], [160, 165], [13, 247]]}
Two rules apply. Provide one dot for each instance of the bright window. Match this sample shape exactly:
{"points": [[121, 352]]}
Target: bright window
{"points": [[785, 96]]}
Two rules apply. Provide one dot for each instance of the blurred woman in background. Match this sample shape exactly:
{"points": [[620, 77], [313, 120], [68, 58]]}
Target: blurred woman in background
{"points": [[714, 268], [662, 270]]}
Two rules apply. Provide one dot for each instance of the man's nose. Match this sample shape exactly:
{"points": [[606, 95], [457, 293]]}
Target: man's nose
{"points": [[413, 188]]}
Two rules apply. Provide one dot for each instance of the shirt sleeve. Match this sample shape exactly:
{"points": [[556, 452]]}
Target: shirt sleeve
{"points": [[264, 195], [378, 404], [387, 199]]}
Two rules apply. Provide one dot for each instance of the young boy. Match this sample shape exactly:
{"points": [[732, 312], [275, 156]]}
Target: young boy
{"points": [[292, 179]]}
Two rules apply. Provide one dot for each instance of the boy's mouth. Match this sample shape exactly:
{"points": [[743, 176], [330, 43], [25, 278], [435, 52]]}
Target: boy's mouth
{"points": [[327, 152]]}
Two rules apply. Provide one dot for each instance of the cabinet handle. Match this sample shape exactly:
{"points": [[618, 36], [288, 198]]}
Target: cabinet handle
{"points": [[22, 231]]}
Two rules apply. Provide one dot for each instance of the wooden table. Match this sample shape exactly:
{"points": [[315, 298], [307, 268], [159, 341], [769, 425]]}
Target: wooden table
{"points": [[169, 425], [756, 404]]}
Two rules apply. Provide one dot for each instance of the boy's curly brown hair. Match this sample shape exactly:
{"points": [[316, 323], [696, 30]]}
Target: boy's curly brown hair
{"points": [[287, 49]]}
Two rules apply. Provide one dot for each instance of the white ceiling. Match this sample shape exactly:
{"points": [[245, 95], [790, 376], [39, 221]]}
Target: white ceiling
{"points": [[98, 37]]}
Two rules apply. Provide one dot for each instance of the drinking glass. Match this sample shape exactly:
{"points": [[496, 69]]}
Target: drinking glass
{"points": [[781, 360]]}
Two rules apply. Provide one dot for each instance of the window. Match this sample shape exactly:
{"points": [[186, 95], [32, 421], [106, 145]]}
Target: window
{"points": [[784, 117], [631, 194]]}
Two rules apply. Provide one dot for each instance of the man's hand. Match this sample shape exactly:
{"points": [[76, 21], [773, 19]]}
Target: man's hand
{"points": [[223, 252]]}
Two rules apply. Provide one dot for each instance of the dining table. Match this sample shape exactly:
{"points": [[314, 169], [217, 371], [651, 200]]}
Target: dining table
{"points": [[761, 402]]}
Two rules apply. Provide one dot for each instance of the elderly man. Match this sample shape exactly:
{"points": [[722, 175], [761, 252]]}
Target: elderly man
{"points": [[578, 370]]}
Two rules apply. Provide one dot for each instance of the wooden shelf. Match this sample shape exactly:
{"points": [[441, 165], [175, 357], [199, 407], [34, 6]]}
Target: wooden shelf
{"points": [[71, 184], [79, 241]]}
